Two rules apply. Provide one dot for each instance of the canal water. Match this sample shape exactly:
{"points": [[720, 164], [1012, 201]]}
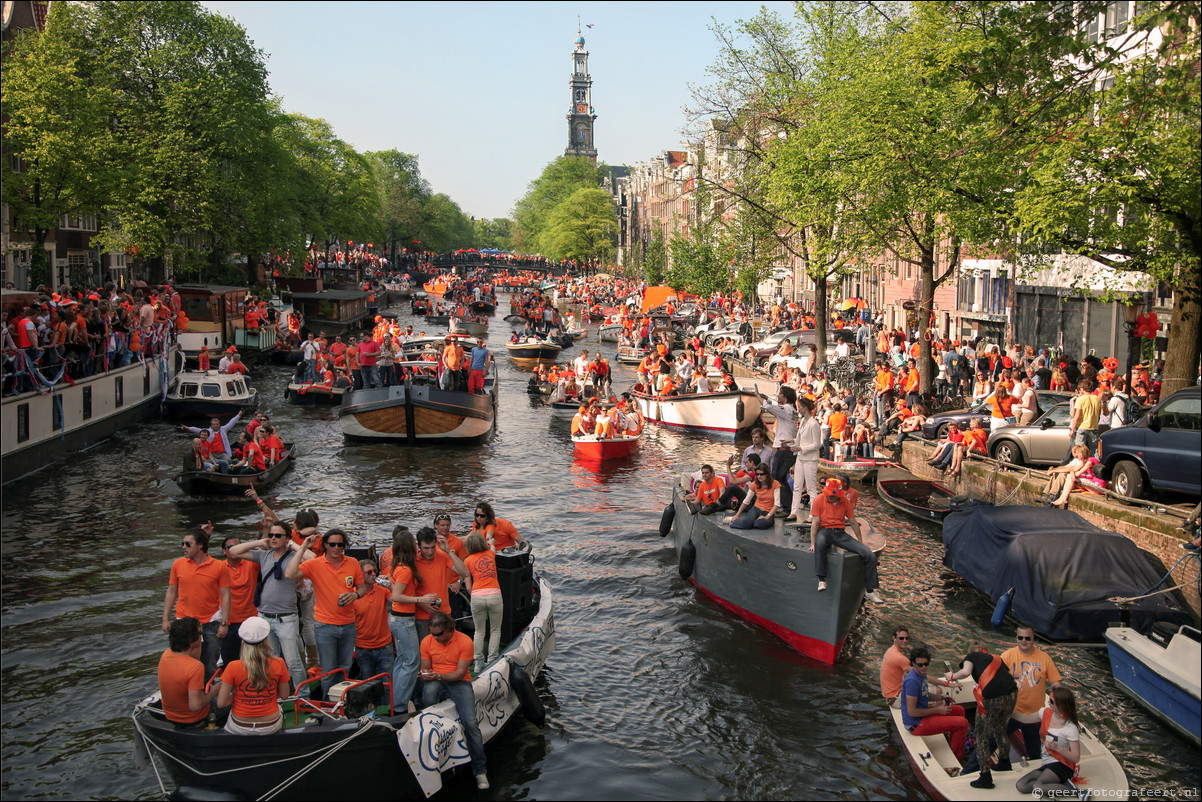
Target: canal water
{"points": [[653, 692]]}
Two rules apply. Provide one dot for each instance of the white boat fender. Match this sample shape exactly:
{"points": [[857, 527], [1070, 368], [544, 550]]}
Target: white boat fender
{"points": [[688, 556], [666, 520], [1003, 607], [532, 706]]}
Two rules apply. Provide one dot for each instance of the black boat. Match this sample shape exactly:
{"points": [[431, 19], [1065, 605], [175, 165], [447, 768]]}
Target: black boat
{"points": [[922, 498], [483, 307], [389, 756], [1067, 575], [231, 484]]}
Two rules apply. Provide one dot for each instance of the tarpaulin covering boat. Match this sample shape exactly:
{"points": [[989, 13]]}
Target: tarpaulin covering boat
{"points": [[1064, 570]]}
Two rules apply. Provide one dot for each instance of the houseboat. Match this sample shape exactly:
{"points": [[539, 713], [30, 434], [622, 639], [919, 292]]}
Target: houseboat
{"points": [[334, 312]]}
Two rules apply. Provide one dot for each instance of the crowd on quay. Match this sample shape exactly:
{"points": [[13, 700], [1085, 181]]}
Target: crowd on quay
{"points": [[1024, 710], [68, 335], [289, 613]]}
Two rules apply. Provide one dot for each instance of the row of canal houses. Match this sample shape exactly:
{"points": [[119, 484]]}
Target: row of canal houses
{"points": [[994, 298]]}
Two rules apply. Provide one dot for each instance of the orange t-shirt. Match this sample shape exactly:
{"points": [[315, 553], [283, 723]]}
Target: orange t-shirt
{"points": [[974, 440], [832, 515], [243, 578], [445, 659], [837, 422], [764, 496], [483, 567], [256, 702], [456, 546], [912, 381], [328, 583], [178, 674], [199, 587], [371, 619], [884, 380], [708, 492], [435, 575], [504, 533], [402, 577]]}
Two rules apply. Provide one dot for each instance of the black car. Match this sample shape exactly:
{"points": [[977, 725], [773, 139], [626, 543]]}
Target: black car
{"points": [[936, 425]]}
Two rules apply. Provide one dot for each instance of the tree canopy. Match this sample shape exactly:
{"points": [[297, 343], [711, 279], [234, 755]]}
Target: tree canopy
{"points": [[558, 181]]}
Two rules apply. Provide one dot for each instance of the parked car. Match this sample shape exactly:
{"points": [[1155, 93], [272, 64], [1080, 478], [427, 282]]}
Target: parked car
{"points": [[1044, 441], [935, 426], [768, 347], [1162, 450], [801, 358]]}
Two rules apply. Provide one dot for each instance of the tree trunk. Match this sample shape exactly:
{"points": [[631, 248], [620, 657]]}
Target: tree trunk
{"points": [[926, 304], [820, 321], [1181, 360]]}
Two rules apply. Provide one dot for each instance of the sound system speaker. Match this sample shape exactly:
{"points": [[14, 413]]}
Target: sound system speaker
{"points": [[515, 575]]}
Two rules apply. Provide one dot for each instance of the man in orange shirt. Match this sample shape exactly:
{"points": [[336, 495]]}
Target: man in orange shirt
{"points": [[912, 380], [446, 670], [707, 491], [199, 586], [894, 664], [452, 359], [883, 389], [440, 571], [182, 676], [244, 576], [373, 639], [831, 514], [337, 581]]}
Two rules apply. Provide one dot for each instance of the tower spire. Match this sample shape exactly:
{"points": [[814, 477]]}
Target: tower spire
{"points": [[580, 115]]}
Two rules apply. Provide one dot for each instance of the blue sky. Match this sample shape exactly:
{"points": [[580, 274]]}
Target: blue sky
{"points": [[478, 91]]}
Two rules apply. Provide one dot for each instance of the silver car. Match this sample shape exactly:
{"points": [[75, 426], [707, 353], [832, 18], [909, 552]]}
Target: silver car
{"points": [[1043, 441]]}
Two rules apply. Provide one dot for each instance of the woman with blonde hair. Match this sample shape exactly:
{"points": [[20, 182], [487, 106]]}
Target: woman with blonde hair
{"points": [[254, 683]]}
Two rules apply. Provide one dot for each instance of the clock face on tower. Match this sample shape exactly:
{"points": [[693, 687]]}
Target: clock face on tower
{"points": [[579, 95]]}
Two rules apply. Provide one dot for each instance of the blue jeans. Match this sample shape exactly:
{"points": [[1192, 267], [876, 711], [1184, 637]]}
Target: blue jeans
{"points": [[754, 518], [782, 466], [840, 538], [465, 705], [374, 661], [285, 641], [311, 370], [371, 375], [335, 649], [407, 659]]}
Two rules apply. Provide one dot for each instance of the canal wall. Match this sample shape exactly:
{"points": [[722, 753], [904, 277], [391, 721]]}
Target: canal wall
{"points": [[1153, 529]]}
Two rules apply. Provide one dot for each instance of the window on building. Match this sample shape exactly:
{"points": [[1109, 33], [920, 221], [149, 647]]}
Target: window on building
{"points": [[22, 423], [1117, 17], [1093, 27], [87, 402]]}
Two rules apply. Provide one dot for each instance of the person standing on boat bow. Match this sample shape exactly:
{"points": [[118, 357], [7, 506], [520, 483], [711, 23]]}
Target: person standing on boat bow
{"points": [[275, 594], [785, 412], [199, 586], [337, 582], [831, 514], [809, 444], [996, 696], [220, 450]]}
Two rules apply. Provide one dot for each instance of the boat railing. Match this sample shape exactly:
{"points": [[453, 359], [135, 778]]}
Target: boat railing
{"points": [[335, 709]]}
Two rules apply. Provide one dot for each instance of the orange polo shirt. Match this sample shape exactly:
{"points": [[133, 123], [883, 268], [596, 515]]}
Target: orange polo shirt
{"points": [[243, 578], [329, 581], [445, 659], [402, 577], [178, 674], [371, 619], [199, 587]]}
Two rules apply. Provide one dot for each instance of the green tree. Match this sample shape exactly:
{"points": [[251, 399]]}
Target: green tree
{"points": [[56, 98], [583, 227], [494, 233], [403, 192], [556, 184], [444, 225], [191, 116]]}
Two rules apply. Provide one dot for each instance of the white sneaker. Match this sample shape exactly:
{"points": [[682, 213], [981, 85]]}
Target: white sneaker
{"points": [[482, 782], [874, 597], [821, 585]]}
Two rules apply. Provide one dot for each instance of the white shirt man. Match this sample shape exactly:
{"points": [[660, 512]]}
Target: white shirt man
{"points": [[580, 365]]}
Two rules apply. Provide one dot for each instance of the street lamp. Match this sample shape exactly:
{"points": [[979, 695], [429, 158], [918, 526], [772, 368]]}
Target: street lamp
{"points": [[1131, 312]]}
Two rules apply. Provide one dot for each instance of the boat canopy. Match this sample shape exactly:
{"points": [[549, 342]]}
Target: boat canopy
{"points": [[1064, 570]]}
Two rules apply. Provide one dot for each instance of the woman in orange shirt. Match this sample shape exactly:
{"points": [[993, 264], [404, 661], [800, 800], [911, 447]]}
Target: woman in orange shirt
{"points": [[761, 502], [254, 683], [487, 603]]}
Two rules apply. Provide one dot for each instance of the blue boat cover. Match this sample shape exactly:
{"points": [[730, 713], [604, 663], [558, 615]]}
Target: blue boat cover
{"points": [[1063, 568]]}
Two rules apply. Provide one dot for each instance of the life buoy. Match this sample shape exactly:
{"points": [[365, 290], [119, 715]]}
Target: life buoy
{"points": [[665, 521], [532, 706], [688, 557]]}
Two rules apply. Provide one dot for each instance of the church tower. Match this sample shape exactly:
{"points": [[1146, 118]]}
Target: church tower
{"points": [[581, 116]]}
